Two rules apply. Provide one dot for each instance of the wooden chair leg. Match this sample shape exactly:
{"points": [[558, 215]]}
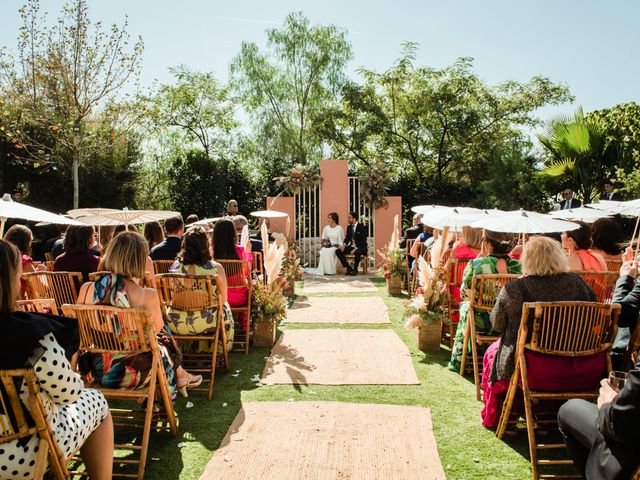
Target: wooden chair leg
{"points": [[41, 461], [148, 418], [246, 344], [476, 367], [531, 433], [225, 350], [465, 346], [166, 398], [508, 403]]}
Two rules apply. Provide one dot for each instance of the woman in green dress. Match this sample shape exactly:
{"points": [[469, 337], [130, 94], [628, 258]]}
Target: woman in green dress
{"points": [[494, 258], [194, 258]]}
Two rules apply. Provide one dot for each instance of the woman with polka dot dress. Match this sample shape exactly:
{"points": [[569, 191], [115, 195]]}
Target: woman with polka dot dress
{"points": [[79, 416]]}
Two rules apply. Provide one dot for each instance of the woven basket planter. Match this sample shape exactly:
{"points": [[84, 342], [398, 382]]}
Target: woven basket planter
{"points": [[394, 285], [264, 332], [429, 335]]}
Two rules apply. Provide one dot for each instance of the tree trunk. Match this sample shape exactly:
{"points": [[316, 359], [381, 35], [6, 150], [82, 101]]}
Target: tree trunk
{"points": [[74, 175]]}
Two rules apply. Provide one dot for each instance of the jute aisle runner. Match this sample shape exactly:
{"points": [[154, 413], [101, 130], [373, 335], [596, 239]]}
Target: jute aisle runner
{"points": [[338, 310], [340, 357], [327, 441], [337, 284]]}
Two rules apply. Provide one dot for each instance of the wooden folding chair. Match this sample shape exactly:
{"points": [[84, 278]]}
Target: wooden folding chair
{"points": [[14, 424], [257, 268], [50, 265], [613, 264], [39, 305], [484, 292], [196, 293], [364, 261], [454, 268], [602, 283], [162, 266], [127, 331], [561, 330], [146, 283], [61, 286], [237, 273], [48, 256]]}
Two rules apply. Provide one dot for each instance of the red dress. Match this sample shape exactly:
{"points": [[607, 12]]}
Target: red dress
{"points": [[459, 252]]}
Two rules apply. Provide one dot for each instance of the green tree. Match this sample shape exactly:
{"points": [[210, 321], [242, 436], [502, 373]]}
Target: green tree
{"points": [[578, 154], [286, 89], [60, 79], [439, 129]]}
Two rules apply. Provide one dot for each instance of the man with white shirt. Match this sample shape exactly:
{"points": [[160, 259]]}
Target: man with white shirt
{"points": [[610, 193]]}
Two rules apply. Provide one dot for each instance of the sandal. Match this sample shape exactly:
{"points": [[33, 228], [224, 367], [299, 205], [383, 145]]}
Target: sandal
{"points": [[192, 381]]}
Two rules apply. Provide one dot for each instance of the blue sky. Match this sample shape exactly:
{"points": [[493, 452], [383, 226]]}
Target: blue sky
{"points": [[593, 46]]}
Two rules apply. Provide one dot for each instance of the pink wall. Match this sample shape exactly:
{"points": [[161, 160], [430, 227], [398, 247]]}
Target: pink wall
{"points": [[334, 194], [384, 224], [286, 205]]}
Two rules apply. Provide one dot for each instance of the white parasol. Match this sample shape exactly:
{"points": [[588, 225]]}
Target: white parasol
{"points": [[581, 214], [207, 221], [269, 214], [629, 208], [524, 222], [89, 212], [11, 209], [447, 216], [425, 208], [127, 217]]}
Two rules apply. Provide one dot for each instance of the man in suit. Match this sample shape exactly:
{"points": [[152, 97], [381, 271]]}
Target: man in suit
{"points": [[412, 232], [569, 202], [168, 249], [354, 243], [610, 193]]}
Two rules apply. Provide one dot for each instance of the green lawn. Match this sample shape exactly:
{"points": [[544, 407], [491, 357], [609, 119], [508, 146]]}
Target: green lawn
{"points": [[467, 450]]}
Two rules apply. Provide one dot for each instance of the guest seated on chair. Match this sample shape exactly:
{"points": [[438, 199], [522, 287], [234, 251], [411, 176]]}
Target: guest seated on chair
{"points": [[169, 248], [546, 279], [195, 259], [77, 257], [154, 234], [21, 237], [493, 258], [466, 248], [577, 243], [354, 243], [126, 259], [78, 416], [607, 238], [413, 231]]}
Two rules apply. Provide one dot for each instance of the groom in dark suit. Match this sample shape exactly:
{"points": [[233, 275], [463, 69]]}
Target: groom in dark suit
{"points": [[355, 243]]}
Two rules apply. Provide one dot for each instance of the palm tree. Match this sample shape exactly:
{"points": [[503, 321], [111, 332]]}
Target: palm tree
{"points": [[577, 147]]}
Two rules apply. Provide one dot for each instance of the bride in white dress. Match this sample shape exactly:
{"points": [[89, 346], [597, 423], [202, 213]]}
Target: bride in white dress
{"points": [[333, 234]]}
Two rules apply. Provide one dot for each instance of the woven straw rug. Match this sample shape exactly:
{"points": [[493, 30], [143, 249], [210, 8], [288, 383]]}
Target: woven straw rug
{"points": [[338, 310], [327, 441], [340, 357], [337, 284]]}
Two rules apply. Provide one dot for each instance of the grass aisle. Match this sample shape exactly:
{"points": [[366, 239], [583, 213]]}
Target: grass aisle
{"points": [[467, 450]]}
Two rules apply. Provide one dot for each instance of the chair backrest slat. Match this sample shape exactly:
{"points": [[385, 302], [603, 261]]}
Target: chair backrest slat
{"points": [[236, 272], [162, 266], [61, 286], [104, 328], [95, 276], [11, 406], [485, 289], [454, 271], [187, 292], [39, 305], [602, 283], [569, 328], [257, 263]]}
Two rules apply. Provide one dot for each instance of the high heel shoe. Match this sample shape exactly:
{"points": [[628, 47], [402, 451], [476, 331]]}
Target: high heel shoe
{"points": [[192, 381]]}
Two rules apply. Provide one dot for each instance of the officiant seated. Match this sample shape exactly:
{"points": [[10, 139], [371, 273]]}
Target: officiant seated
{"points": [[354, 244], [332, 238]]}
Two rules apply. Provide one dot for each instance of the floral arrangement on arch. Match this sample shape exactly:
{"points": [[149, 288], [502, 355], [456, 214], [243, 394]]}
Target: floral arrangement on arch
{"points": [[374, 186], [299, 177], [431, 297], [394, 264]]}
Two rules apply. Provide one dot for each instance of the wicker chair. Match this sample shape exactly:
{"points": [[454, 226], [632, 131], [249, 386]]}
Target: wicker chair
{"points": [[257, 268], [39, 305], [237, 273], [14, 425], [413, 279], [195, 293], [484, 292], [602, 283], [562, 329], [61, 286], [48, 256], [454, 268], [135, 335], [613, 264], [50, 265], [162, 266]]}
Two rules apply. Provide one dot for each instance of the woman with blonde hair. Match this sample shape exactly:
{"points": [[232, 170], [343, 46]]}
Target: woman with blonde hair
{"points": [[546, 279], [126, 259], [79, 417]]}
